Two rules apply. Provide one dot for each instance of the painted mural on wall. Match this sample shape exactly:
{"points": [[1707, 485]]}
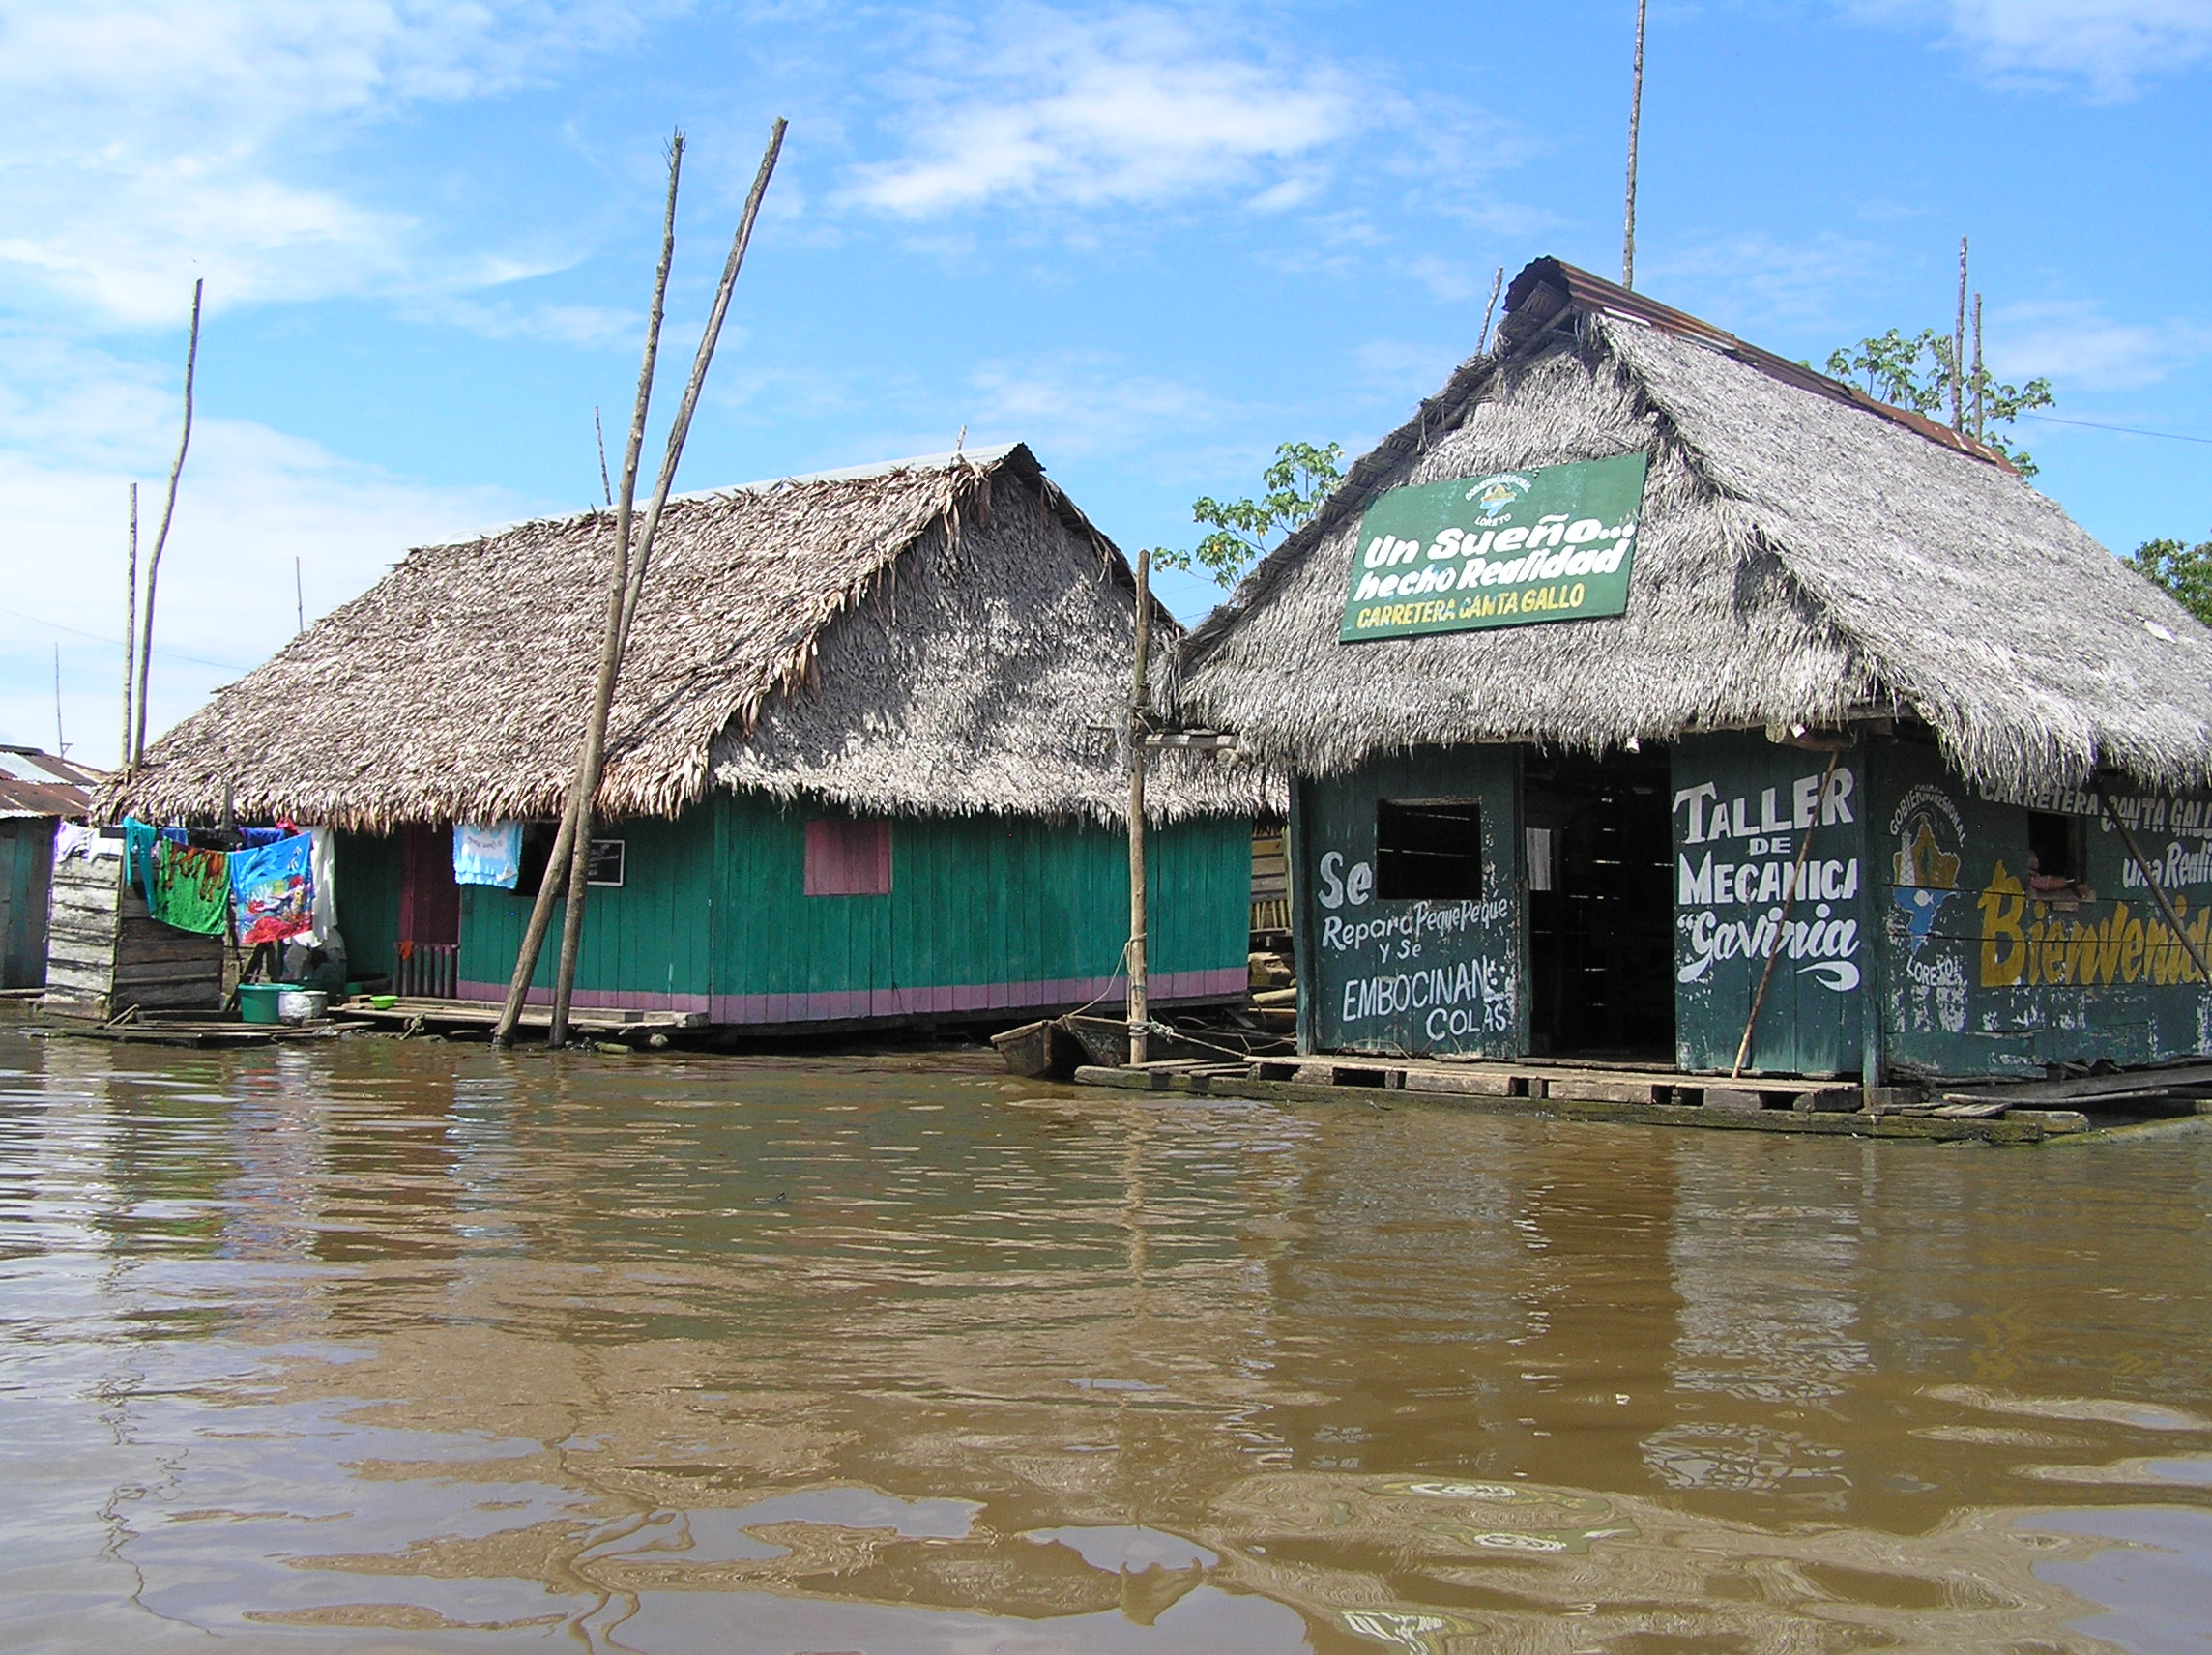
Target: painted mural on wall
{"points": [[1769, 855], [2002, 960], [1414, 975]]}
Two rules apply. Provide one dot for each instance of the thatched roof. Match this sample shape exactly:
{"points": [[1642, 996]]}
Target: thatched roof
{"points": [[937, 635], [1805, 554]]}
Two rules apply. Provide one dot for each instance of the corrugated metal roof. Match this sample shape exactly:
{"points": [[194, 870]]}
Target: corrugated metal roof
{"points": [[1550, 290], [33, 783]]}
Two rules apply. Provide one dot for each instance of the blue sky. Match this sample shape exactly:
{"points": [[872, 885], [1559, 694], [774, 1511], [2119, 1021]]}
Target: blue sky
{"points": [[1152, 242]]}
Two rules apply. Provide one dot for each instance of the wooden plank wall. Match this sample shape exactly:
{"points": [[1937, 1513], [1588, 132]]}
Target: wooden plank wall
{"points": [[106, 953]]}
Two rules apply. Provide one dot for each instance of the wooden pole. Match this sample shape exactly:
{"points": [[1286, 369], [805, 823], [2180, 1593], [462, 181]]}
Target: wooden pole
{"points": [[130, 626], [1140, 976], [589, 767], [2157, 890], [1980, 422], [1789, 901], [555, 879], [1489, 310], [161, 534], [1959, 349], [299, 597], [1635, 124], [682, 429]]}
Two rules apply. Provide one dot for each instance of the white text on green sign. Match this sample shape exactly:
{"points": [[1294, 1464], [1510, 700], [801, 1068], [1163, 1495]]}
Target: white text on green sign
{"points": [[1506, 550]]}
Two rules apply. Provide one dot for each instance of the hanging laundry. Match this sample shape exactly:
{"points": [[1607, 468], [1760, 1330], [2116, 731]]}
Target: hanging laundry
{"points": [[487, 855], [191, 889], [273, 889], [326, 902], [138, 841]]}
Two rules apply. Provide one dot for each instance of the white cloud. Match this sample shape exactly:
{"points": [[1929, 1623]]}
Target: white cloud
{"points": [[1140, 106], [150, 142], [2078, 347], [2106, 46], [1750, 282], [1078, 404], [76, 427]]}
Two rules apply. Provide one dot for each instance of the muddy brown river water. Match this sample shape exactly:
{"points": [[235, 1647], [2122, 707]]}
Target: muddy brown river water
{"points": [[385, 1347]]}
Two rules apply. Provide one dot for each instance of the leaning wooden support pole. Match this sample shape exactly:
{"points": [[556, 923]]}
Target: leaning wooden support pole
{"points": [[1789, 901], [1140, 973], [574, 821], [2157, 890], [624, 602], [161, 534]]}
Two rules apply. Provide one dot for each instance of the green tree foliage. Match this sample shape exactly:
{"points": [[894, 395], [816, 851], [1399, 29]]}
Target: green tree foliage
{"points": [[1917, 372], [1245, 531], [2185, 571]]}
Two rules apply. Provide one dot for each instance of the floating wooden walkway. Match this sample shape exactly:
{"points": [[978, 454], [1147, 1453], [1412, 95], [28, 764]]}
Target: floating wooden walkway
{"points": [[1992, 1111], [433, 1014]]}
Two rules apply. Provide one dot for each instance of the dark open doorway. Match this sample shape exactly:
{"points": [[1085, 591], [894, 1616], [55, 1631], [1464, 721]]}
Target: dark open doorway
{"points": [[1601, 905]]}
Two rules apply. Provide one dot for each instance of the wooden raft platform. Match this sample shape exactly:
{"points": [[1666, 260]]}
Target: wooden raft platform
{"points": [[1992, 1111], [484, 1013]]}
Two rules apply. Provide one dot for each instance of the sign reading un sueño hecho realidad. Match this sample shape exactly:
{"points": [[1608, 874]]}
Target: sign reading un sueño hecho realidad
{"points": [[1509, 550]]}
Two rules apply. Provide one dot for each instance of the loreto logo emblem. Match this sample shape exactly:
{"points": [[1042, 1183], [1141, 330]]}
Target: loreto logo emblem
{"points": [[1931, 840], [1496, 494]]}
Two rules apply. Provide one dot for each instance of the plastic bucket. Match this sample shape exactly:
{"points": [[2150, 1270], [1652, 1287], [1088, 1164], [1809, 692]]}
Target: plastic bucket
{"points": [[257, 1003], [302, 1004]]}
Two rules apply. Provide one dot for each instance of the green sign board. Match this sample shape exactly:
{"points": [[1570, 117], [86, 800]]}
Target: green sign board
{"points": [[1509, 550]]}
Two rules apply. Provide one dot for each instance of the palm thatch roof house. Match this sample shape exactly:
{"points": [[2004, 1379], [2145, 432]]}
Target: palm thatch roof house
{"points": [[860, 765], [1653, 696]]}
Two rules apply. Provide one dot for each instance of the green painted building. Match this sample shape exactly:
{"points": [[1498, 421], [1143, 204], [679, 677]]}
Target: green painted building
{"points": [[1827, 747], [863, 763], [38, 793]]}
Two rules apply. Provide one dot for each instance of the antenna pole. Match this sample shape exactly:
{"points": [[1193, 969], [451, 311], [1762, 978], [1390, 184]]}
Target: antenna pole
{"points": [[1635, 123], [60, 746]]}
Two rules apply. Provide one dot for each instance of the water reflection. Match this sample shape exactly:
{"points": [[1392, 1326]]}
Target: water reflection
{"points": [[409, 1342]]}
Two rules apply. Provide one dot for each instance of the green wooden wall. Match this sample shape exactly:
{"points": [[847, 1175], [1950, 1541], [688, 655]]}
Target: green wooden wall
{"points": [[1745, 810], [648, 936], [26, 869], [1981, 978], [364, 869], [713, 915], [1409, 975]]}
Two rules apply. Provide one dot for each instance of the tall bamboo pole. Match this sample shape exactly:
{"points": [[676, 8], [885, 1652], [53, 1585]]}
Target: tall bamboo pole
{"points": [[554, 879], [161, 536], [129, 627], [1140, 973], [589, 767], [1635, 124]]}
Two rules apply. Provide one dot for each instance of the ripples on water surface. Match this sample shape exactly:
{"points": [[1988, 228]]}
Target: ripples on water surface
{"points": [[408, 1346]]}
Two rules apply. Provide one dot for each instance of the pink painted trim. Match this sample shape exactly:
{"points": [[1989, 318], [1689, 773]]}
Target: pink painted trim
{"points": [[845, 1004]]}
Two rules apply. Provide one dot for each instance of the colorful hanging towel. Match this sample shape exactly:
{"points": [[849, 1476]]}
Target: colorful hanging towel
{"points": [[138, 841], [274, 889], [488, 856], [191, 888]]}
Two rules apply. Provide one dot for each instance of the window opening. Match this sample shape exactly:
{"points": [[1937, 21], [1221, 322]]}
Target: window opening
{"points": [[847, 858], [1428, 849], [2057, 855]]}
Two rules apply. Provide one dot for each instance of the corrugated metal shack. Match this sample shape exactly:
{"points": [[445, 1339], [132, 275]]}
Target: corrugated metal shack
{"points": [[38, 793]]}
